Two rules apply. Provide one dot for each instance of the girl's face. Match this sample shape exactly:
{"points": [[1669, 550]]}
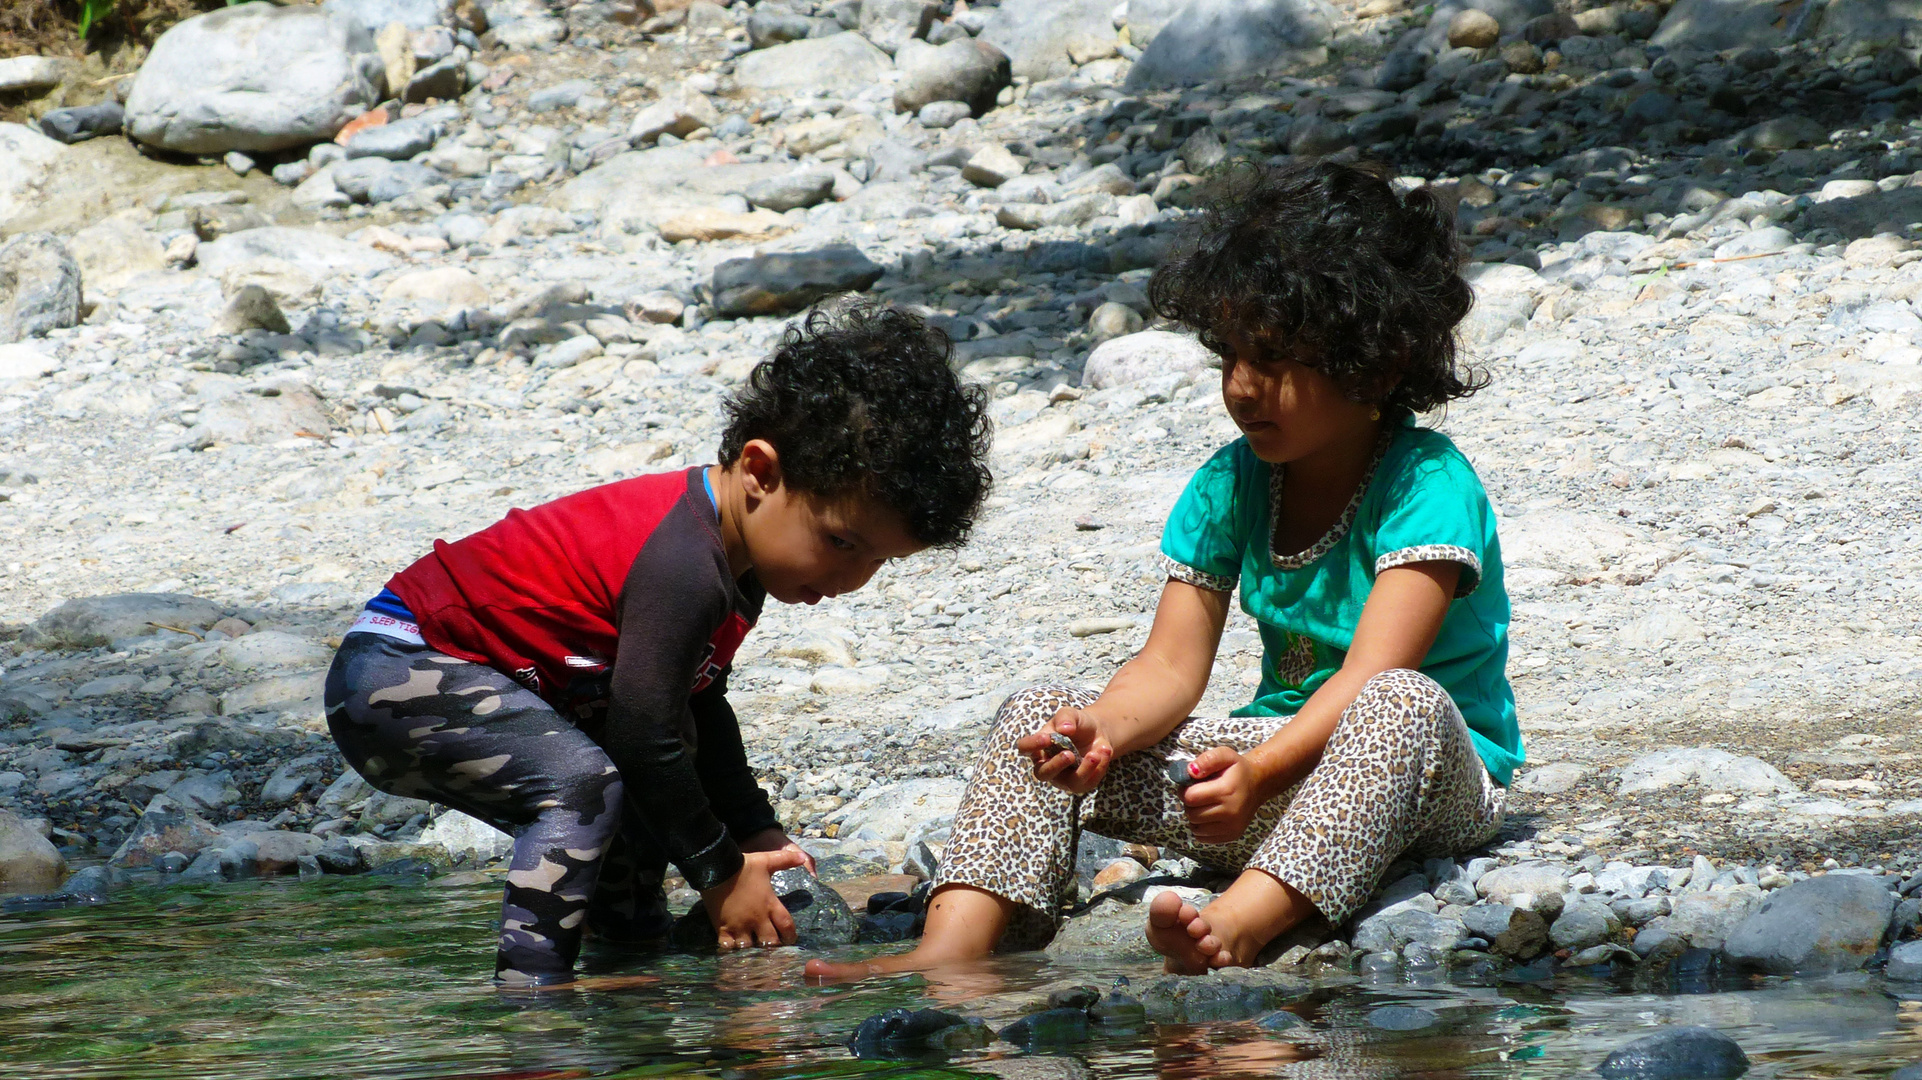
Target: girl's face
{"points": [[1287, 410]]}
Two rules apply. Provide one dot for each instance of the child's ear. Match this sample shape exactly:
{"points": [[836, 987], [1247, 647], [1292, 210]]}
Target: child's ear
{"points": [[760, 468]]}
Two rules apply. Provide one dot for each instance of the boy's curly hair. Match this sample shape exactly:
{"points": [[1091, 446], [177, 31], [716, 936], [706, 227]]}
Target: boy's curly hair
{"points": [[1327, 261], [859, 399]]}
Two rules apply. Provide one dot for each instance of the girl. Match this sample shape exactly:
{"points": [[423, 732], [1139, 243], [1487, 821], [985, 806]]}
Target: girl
{"points": [[1365, 548]]}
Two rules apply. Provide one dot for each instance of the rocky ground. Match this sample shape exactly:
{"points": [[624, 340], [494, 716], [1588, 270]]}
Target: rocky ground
{"points": [[256, 367]]}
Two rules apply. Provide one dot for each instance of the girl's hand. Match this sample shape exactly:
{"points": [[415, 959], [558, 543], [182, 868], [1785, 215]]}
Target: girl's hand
{"points": [[1220, 807], [744, 909], [775, 839], [1076, 771]]}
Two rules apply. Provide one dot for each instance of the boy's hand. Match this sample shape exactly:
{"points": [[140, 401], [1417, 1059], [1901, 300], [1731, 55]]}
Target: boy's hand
{"points": [[1077, 771], [775, 839], [1221, 805], [744, 909]]}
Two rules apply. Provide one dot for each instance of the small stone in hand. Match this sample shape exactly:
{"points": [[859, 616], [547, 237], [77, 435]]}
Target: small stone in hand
{"points": [[1179, 774], [1061, 742]]}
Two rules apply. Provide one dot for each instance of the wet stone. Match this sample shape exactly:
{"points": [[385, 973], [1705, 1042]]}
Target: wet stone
{"points": [[904, 1033], [1402, 1018], [1683, 1053], [1054, 1027]]}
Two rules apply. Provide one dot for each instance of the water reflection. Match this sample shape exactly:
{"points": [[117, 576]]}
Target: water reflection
{"points": [[353, 978]]}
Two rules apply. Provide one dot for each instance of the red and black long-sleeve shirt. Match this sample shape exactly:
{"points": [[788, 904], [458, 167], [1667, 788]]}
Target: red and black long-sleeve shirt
{"points": [[616, 605]]}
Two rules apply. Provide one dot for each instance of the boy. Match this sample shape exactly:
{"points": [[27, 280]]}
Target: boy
{"points": [[562, 674]]}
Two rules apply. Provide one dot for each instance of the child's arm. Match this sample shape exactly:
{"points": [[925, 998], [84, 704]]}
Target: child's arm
{"points": [[1398, 624], [1146, 699]]}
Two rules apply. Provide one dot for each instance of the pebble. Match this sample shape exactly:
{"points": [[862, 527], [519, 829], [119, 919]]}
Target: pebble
{"points": [[1695, 1053]]}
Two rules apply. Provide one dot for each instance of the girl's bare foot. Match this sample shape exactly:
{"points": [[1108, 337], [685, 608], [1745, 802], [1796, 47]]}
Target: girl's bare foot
{"points": [[1180, 934], [827, 971]]}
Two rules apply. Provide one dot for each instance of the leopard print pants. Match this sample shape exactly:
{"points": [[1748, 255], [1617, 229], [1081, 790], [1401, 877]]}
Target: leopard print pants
{"points": [[1400, 773]]}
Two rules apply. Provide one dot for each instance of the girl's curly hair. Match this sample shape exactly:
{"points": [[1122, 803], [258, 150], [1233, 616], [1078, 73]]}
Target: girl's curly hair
{"points": [[859, 400], [1327, 262]]}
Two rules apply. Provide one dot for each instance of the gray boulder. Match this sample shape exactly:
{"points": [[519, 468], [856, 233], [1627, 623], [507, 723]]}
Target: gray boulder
{"points": [[791, 191], [1510, 932], [770, 25], [1682, 1053], [1109, 932], [890, 24], [91, 622], [378, 180], [1583, 924], [254, 77], [39, 287], [1814, 927], [841, 64], [1905, 962], [397, 141], [789, 281], [83, 122], [1715, 25], [166, 825], [966, 70], [28, 861], [1226, 39], [376, 14], [1035, 33]]}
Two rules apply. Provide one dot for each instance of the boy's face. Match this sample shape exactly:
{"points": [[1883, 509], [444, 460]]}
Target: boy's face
{"points": [[804, 548]]}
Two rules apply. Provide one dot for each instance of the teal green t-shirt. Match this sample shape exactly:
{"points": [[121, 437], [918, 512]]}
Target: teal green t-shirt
{"points": [[1421, 502]]}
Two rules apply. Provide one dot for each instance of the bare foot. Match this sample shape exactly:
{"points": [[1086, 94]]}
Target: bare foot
{"points": [[1179, 933], [827, 972]]}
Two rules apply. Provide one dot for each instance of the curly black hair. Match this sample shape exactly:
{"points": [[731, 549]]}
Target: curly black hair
{"points": [[1327, 262], [859, 400]]}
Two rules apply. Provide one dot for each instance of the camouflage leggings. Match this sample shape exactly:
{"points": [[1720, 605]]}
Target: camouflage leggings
{"points": [[422, 724]]}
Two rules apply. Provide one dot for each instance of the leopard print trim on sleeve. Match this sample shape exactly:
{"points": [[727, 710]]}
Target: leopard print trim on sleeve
{"points": [[1471, 577], [1200, 579]]}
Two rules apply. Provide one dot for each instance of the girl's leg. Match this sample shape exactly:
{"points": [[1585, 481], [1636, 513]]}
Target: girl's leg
{"points": [[419, 723], [1011, 855], [1399, 771]]}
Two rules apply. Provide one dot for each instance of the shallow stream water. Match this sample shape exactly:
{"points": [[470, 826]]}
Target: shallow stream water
{"points": [[354, 977]]}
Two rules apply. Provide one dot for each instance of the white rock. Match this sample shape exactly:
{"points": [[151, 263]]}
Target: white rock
{"points": [[1551, 779], [271, 650], [1130, 359], [889, 811], [115, 250], [1659, 628], [254, 77], [466, 836], [314, 252], [1716, 770], [441, 285], [26, 360], [28, 861], [26, 162], [20, 73]]}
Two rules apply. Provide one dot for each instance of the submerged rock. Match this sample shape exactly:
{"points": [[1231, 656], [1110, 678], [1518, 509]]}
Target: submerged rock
{"points": [[1683, 1053], [1053, 1027], [901, 1033]]}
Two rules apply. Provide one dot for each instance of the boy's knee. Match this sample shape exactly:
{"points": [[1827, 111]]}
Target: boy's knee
{"points": [[592, 802]]}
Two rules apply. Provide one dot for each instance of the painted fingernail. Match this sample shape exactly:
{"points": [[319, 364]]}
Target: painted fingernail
{"points": [[1194, 770]]}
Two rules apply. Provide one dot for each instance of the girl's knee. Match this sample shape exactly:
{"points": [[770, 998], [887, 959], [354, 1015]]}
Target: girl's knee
{"points": [[1403, 696], [1027, 709], [588, 804]]}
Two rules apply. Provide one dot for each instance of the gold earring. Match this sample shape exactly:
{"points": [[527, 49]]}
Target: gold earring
{"points": [[1375, 413]]}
